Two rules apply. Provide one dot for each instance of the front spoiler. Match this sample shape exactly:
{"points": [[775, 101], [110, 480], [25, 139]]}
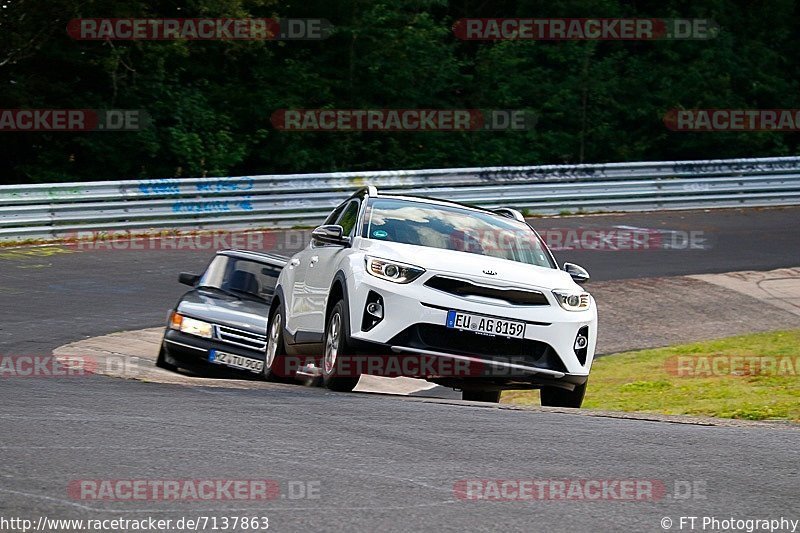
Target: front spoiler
{"points": [[524, 369], [496, 374]]}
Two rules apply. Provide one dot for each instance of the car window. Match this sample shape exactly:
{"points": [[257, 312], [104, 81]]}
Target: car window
{"points": [[241, 276], [349, 217], [454, 228]]}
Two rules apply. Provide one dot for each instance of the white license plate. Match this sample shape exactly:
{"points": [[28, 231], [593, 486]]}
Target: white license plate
{"points": [[235, 361], [485, 324]]}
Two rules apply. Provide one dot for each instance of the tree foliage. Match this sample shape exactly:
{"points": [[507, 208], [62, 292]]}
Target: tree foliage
{"points": [[210, 102]]}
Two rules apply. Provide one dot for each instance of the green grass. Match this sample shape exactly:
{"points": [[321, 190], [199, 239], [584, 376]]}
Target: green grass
{"points": [[647, 381]]}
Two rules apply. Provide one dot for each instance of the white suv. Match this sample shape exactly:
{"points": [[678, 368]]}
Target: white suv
{"points": [[464, 297]]}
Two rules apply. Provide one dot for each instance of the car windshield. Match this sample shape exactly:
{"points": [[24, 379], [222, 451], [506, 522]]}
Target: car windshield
{"points": [[241, 277], [453, 228]]}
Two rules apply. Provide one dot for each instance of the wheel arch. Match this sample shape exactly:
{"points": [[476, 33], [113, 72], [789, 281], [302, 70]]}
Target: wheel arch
{"points": [[277, 300], [338, 291]]}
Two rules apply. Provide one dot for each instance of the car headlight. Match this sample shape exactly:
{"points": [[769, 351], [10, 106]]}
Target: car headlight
{"points": [[192, 326], [572, 300], [392, 270]]}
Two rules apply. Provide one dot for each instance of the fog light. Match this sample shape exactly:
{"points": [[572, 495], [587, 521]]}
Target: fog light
{"points": [[373, 311], [581, 345], [581, 342]]}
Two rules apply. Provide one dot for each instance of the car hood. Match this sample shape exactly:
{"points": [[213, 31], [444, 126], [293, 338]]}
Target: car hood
{"points": [[471, 266], [244, 314]]}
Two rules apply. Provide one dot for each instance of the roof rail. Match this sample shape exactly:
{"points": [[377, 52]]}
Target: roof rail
{"points": [[366, 190], [509, 213]]}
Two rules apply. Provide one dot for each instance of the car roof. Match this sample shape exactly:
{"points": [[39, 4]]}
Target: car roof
{"points": [[260, 257], [436, 201], [370, 191]]}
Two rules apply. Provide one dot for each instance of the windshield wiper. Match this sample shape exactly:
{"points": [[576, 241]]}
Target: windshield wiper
{"points": [[220, 289], [250, 294]]}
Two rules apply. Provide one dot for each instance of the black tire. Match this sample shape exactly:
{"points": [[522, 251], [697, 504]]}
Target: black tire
{"points": [[488, 396], [161, 361], [335, 349], [276, 370], [555, 397]]}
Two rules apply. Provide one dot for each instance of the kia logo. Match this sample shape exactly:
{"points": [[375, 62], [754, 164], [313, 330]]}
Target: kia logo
{"points": [[490, 272]]}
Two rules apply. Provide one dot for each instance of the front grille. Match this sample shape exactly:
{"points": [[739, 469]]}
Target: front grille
{"points": [[242, 338], [493, 348], [460, 287]]}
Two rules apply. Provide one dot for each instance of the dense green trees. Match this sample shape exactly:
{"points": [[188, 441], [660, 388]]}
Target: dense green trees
{"points": [[211, 102]]}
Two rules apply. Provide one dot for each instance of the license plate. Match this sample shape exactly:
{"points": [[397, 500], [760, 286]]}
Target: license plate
{"points": [[235, 361], [485, 324]]}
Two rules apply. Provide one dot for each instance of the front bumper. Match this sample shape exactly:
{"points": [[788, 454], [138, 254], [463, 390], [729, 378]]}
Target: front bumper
{"points": [[414, 318], [192, 352]]}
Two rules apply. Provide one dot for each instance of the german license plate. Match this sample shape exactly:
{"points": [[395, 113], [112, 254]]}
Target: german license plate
{"points": [[235, 361], [485, 324]]}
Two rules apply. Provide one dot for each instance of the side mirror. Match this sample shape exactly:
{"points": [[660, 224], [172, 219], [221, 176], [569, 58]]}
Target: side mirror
{"points": [[578, 273], [330, 234], [188, 278]]}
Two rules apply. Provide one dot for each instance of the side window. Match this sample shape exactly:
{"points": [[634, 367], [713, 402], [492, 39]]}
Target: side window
{"points": [[250, 277], [349, 217]]}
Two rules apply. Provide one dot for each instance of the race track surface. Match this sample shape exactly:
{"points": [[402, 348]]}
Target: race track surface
{"points": [[379, 462]]}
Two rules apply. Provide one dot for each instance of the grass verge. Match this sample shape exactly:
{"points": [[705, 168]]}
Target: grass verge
{"points": [[751, 377]]}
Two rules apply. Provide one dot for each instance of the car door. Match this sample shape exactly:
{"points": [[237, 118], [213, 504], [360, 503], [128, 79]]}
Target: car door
{"points": [[300, 307], [323, 264]]}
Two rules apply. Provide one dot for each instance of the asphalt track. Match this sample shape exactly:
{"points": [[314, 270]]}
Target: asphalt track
{"points": [[381, 463]]}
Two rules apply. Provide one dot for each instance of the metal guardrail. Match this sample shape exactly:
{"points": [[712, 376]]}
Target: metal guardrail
{"points": [[43, 211]]}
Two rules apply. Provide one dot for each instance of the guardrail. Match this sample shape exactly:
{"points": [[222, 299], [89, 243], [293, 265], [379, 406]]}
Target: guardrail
{"points": [[43, 211]]}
